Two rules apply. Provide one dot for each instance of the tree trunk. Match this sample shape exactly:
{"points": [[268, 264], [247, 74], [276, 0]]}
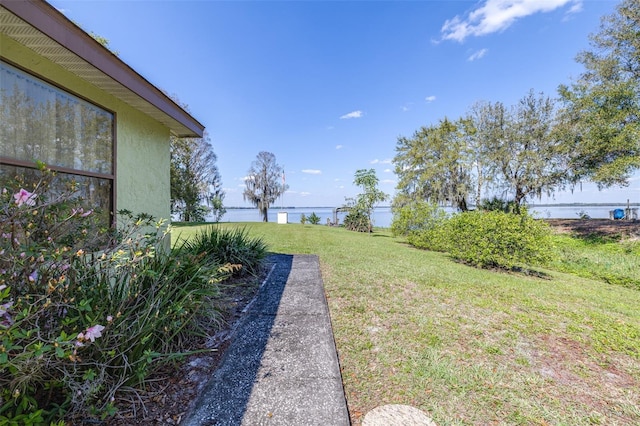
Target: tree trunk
{"points": [[265, 214], [518, 199]]}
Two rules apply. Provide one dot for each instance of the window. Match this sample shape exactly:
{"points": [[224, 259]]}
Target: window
{"points": [[75, 138]]}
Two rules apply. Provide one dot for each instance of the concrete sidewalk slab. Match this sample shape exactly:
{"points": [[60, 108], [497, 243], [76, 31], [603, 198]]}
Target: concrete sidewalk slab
{"points": [[281, 367]]}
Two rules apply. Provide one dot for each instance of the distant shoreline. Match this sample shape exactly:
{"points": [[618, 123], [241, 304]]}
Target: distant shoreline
{"points": [[621, 204]]}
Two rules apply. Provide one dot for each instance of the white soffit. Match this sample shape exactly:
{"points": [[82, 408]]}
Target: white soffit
{"points": [[25, 34]]}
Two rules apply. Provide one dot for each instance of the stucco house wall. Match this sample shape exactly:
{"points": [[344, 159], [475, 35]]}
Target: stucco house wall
{"points": [[40, 40], [142, 143]]}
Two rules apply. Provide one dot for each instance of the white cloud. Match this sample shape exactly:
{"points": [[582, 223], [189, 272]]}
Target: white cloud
{"points": [[388, 170], [478, 55], [406, 107], [388, 181], [352, 114], [339, 146], [576, 8], [312, 171], [430, 99], [304, 194], [498, 15], [385, 161]]}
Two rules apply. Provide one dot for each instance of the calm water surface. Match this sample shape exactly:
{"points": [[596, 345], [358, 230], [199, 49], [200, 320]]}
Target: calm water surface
{"points": [[382, 215]]}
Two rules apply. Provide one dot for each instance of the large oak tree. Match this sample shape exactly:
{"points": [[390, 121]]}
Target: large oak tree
{"points": [[524, 155], [434, 165], [601, 119]]}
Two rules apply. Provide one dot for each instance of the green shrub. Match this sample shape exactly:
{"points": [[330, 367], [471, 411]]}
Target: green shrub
{"points": [[303, 219], [357, 220], [436, 238], [498, 239], [225, 246], [314, 219], [497, 204], [416, 217], [80, 326]]}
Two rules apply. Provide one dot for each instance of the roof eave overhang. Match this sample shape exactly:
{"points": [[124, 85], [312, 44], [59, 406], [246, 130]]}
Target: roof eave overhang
{"points": [[81, 54]]}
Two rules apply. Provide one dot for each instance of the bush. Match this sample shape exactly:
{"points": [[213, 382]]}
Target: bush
{"points": [[81, 326], [498, 239], [416, 217], [303, 219], [314, 219], [224, 246], [357, 220], [497, 204], [436, 238]]}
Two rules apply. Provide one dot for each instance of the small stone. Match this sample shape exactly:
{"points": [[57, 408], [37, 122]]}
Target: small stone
{"points": [[397, 415]]}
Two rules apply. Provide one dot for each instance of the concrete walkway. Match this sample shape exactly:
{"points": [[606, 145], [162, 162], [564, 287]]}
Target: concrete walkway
{"points": [[281, 367]]}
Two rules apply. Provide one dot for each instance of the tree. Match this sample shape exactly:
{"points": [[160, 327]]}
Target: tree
{"points": [[263, 185], [523, 153], [601, 116], [215, 201], [434, 165], [195, 179], [362, 206], [482, 123]]}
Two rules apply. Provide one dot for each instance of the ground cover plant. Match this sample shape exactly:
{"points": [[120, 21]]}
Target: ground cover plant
{"points": [[471, 346], [613, 259], [87, 314], [226, 246]]}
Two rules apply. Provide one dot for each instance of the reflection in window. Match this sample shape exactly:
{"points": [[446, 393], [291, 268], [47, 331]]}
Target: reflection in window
{"points": [[40, 122], [93, 193]]}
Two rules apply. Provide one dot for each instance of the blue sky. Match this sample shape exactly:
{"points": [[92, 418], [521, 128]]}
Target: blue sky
{"points": [[329, 86]]}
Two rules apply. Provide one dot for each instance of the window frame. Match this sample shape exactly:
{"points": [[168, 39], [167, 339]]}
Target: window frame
{"points": [[9, 161]]}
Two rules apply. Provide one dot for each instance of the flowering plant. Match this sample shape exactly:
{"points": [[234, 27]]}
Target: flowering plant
{"points": [[86, 312]]}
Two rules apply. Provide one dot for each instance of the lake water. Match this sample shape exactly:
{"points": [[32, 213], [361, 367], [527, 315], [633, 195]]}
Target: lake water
{"points": [[382, 216]]}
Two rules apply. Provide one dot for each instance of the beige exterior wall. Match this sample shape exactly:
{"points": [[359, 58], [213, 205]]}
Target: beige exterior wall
{"points": [[142, 143]]}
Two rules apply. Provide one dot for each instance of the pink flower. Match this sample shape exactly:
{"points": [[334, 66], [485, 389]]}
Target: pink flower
{"points": [[25, 197], [5, 316], [81, 212], [94, 332], [5, 307], [33, 276], [109, 318]]}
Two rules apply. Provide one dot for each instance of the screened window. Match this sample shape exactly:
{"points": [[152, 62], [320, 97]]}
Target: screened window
{"points": [[41, 122]]}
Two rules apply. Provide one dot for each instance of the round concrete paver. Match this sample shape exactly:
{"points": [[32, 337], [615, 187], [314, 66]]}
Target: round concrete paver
{"points": [[397, 415]]}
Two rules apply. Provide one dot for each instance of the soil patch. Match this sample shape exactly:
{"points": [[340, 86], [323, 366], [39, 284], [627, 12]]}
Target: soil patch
{"points": [[599, 227]]}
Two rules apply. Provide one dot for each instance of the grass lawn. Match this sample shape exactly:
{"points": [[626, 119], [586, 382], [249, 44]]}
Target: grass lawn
{"points": [[469, 346]]}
